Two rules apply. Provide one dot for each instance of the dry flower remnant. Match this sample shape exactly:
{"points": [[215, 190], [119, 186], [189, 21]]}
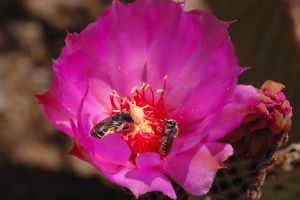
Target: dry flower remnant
{"points": [[255, 144]]}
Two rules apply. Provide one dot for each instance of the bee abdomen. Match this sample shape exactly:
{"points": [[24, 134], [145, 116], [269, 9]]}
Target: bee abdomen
{"points": [[100, 129], [170, 133], [97, 132], [166, 144]]}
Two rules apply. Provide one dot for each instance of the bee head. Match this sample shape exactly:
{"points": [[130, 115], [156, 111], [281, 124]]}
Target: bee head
{"points": [[171, 123]]}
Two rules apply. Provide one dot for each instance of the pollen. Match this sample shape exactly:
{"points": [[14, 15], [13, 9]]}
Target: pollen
{"points": [[159, 90], [137, 113], [148, 114]]}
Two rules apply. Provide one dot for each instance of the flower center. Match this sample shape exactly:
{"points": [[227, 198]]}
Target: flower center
{"points": [[148, 131]]}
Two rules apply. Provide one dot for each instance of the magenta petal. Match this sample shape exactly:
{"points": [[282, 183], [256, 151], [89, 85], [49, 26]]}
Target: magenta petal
{"points": [[57, 114], [74, 74], [111, 148], [206, 68], [104, 166], [233, 113], [221, 122], [195, 170], [81, 126], [205, 89], [108, 154], [148, 49], [148, 159], [141, 181]]}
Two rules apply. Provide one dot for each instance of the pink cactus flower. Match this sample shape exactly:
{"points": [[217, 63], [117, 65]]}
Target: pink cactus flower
{"points": [[146, 91]]}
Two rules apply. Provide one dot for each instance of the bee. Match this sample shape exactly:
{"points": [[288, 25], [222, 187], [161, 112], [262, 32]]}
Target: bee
{"points": [[170, 134], [117, 122]]}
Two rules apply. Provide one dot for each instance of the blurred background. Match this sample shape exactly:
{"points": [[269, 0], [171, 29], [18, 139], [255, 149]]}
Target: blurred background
{"points": [[34, 163]]}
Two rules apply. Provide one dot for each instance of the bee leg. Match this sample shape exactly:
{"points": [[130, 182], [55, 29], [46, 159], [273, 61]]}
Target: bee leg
{"points": [[97, 135]]}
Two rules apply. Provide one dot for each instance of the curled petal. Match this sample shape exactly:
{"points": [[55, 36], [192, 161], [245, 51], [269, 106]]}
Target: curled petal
{"points": [[148, 159], [54, 110], [111, 148], [221, 122], [195, 169], [141, 181], [233, 113]]}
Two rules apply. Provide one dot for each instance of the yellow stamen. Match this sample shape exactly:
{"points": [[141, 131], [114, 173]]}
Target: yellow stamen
{"points": [[146, 106], [144, 128], [133, 90], [143, 85], [123, 101], [114, 93], [159, 90], [147, 86], [141, 125]]}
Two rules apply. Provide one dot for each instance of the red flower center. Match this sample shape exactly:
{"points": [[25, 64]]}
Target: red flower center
{"points": [[147, 132]]}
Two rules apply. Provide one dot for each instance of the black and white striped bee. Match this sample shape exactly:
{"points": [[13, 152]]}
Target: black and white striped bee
{"points": [[170, 134], [117, 122]]}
